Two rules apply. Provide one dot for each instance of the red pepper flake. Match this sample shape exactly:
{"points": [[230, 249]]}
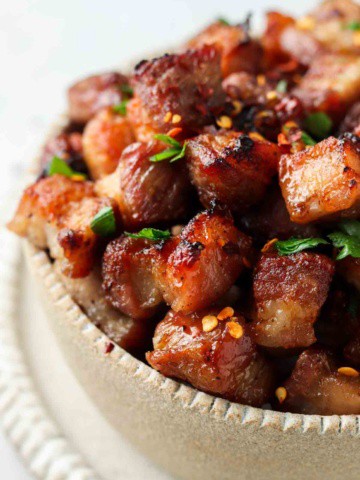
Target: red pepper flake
{"points": [[109, 348], [174, 132]]}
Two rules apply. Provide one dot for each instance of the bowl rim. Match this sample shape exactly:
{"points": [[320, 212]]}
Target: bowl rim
{"points": [[189, 396]]}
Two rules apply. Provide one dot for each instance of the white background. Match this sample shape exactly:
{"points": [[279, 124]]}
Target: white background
{"points": [[46, 44]]}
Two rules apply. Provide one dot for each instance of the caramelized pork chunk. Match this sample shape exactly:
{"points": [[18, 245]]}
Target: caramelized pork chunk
{"points": [[223, 361], [182, 90], [331, 84], [68, 147], [91, 94], [316, 386], [238, 51], [198, 267], [140, 121], [104, 139], [128, 279], [231, 168], [274, 53], [147, 192], [322, 181], [289, 292]]}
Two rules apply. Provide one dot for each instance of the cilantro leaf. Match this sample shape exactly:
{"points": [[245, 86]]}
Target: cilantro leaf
{"points": [[104, 222], [319, 124], [295, 245], [353, 26], [150, 234], [305, 137], [59, 166], [176, 152], [125, 88], [349, 244], [223, 21], [168, 140], [121, 107]]}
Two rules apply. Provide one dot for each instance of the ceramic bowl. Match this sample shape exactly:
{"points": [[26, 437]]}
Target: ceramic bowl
{"points": [[191, 434]]}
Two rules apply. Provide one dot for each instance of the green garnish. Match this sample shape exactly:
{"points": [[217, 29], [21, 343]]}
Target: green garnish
{"points": [[150, 234], [353, 25], [127, 89], [121, 107], [319, 124], [223, 21], [295, 245], [104, 222], [176, 152], [349, 244], [59, 166], [305, 137], [281, 87]]}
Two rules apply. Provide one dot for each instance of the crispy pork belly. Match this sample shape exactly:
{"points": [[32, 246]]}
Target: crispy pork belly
{"points": [[180, 90], [238, 51], [147, 192], [140, 121], [322, 181], [87, 292], [128, 278], [351, 122], [55, 212], [289, 292], [223, 361], [316, 387], [231, 168], [331, 84], [68, 147], [106, 135], [91, 94], [276, 23], [271, 220], [196, 268]]}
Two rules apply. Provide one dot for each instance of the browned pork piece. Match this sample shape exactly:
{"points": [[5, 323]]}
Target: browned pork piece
{"points": [[351, 122], [331, 84], [196, 268], [128, 278], [91, 94], [216, 356], [106, 135], [180, 90], [238, 51], [289, 292], [349, 269], [274, 53], [231, 168], [322, 181], [147, 192], [68, 147], [317, 386], [56, 212]]}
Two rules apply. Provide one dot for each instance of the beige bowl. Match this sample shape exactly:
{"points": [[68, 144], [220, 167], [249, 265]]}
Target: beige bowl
{"points": [[191, 434]]}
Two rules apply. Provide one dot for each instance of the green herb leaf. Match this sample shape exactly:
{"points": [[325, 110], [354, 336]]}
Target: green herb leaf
{"points": [[127, 89], [353, 26], [319, 124], [121, 107], [281, 87], [305, 137], [223, 21], [150, 234], [168, 140], [295, 245], [349, 244], [104, 222], [164, 155], [180, 155], [59, 166], [351, 227]]}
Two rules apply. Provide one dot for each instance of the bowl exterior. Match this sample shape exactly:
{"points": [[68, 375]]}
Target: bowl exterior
{"points": [[189, 433]]}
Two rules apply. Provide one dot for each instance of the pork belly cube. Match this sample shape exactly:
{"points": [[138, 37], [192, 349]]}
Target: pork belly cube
{"points": [[89, 95], [271, 220], [87, 292], [196, 268], [322, 181], [331, 84], [231, 168], [46, 201], [289, 292], [183, 90], [238, 51], [301, 45], [147, 192], [276, 23], [222, 361], [351, 122], [316, 387], [105, 137], [128, 279], [140, 121], [68, 147]]}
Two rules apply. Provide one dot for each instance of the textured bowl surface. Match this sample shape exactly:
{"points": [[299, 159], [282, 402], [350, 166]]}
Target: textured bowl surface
{"points": [[191, 434]]}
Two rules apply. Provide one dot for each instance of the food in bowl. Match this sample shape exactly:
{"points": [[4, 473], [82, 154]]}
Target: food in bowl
{"points": [[212, 196]]}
